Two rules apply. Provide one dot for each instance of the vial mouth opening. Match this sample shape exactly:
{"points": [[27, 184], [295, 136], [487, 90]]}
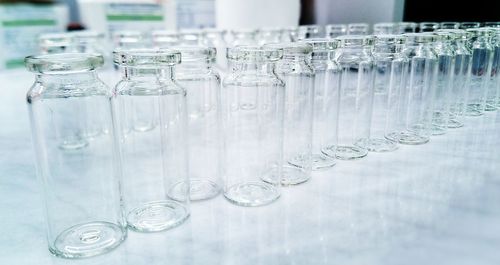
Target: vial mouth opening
{"points": [[249, 53], [63, 62], [292, 48], [389, 39], [355, 40], [146, 58], [420, 37], [322, 44], [195, 53]]}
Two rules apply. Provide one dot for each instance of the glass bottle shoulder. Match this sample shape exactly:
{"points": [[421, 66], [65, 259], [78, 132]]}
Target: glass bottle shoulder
{"points": [[148, 87]]}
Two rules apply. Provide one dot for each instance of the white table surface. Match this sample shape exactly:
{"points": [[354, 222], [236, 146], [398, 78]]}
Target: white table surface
{"points": [[438, 203]]}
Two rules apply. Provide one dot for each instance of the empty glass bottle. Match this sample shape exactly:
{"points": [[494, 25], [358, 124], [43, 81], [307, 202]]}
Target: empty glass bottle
{"points": [[164, 38], [385, 28], [482, 59], [460, 81], [56, 43], [417, 97], [297, 72], [155, 183], [354, 57], [470, 25], [444, 79], [335, 30], [253, 117], [79, 177], [242, 37], [326, 102], [310, 32], [357, 29], [390, 72], [202, 84], [428, 26], [269, 35], [493, 90], [407, 27], [449, 25]]}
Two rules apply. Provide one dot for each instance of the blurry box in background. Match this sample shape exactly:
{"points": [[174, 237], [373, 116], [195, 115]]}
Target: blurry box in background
{"points": [[20, 25], [195, 14], [109, 16]]}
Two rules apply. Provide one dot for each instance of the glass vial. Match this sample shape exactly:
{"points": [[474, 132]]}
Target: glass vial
{"points": [[310, 32], [385, 28], [390, 72], [215, 38], [495, 72], [357, 29], [460, 82], [80, 178], [449, 25], [407, 27], [326, 102], [202, 83], [297, 72], [417, 98], [252, 106], [428, 26], [446, 62], [482, 60], [354, 57], [154, 162], [335, 30]]}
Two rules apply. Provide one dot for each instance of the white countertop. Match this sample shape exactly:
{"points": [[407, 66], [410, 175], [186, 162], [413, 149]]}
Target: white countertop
{"points": [[437, 203]]}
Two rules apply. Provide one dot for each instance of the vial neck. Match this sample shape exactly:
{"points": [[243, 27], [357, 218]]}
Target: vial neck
{"points": [[67, 77], [194, 66], [257, 68], [138, 73]]}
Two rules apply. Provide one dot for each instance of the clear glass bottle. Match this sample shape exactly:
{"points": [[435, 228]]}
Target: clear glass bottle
{"points": [[202, 83], [56, 43], [269, 35], [461, 79], [449, 25], [155, 183], [164, 38], [252, 106], [241, 37], [407, 27], [310, 32], [482, 60], [215, 38], [385, 28], [357, 29], [470, 25], [390, 72], [297, 72], [335, 30], [493, 93], [428, 26], [79, 178], [355, 59], [417, 98], [326, 102], [445, 52]]}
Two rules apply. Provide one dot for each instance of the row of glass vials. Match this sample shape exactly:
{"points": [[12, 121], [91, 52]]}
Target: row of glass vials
{"points": [[135, 155]]}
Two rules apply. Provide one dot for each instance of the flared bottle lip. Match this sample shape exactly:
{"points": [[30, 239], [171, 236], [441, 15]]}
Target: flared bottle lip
{"points": [[195, 53], [336, 27], [55, 39], [322, 44], [422, 37], [492, 24], [389, 39], [470, 24], [243, 31], [355, 40], [309, 28], [445, 24], [385, 25], [434, 25], [292, 48], [459, 33], [254, 53], [407, 23], [146, 58], [358, 25], [63, 62], [88, 35], [446, 35]]}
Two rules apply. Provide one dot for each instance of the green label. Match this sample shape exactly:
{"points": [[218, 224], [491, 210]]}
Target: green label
{"points": [[29, 22], [134, 17]]}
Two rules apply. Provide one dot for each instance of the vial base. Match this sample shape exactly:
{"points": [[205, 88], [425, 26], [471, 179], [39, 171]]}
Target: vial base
{"points": [[318, 162], [345, 152], [490, 106], [408, 138], [381, 145], [454, 123], [199, 189], [252, 194], [88, 240], [73, 143], [474, 110], [438, 129], [290, 175], [157, 216]]}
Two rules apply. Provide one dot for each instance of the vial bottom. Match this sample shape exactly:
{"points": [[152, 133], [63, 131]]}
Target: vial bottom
{"points": [[290, 175], [199, 189], [252, 194], [381, 145], [157, 216]]}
